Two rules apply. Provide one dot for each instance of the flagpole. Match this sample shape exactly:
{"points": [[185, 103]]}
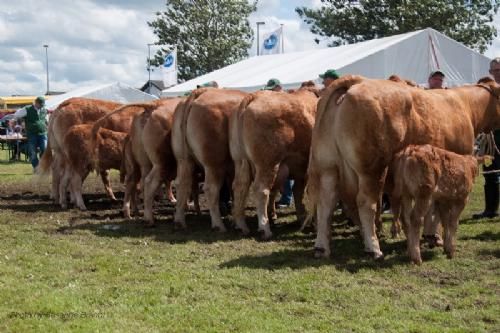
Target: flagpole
{"points": [[282, 40], [258, 33]]}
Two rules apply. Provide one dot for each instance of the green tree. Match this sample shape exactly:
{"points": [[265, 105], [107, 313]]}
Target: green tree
{"points": [[209, 34], [345, 22]]}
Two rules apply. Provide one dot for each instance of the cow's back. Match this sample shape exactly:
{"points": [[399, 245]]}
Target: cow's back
{"points": [[278, 123], [204, 124]]}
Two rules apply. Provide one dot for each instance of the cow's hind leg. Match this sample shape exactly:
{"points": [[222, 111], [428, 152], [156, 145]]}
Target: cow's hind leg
{"points": [[63, 185], [422, 206], [449, 218], [327, 198], [151, 184], [76, 189], [264, 180], [366, 199], [107, 184], [57, 174], [214, 177]]}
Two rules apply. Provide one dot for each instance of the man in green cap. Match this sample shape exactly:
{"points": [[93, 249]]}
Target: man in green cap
{"points": [[35, 120], [209, 84], [329, 76], [274, 85]]}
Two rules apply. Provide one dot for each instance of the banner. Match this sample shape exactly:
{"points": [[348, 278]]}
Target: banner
{"points": [[170, 69], [272, 42]]}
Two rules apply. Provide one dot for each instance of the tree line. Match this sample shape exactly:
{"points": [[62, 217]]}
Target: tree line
{"points": [[211, 34]]}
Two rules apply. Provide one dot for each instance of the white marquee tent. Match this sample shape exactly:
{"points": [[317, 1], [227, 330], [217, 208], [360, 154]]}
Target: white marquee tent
{"points": [[117, 92], [411, 56]]}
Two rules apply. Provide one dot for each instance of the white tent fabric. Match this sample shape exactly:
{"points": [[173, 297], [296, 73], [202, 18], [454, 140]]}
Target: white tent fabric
{"points": [[411, 56], [117, 92]]}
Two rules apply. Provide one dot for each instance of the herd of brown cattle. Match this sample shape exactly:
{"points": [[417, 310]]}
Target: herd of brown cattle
{"points": [[348, 143]]}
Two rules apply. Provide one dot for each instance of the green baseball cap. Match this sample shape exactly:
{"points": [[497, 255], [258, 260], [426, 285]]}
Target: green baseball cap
{"points": [[40, 100], [272, 83], [208, 84], [331, 73]]}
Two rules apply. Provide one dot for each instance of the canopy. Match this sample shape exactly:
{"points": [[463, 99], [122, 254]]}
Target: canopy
{"points": [[117, 92], [411, 56], [13, 102]]}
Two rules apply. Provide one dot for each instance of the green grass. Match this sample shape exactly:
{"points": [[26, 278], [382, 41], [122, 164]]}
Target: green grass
{"points": [[70, 271]]}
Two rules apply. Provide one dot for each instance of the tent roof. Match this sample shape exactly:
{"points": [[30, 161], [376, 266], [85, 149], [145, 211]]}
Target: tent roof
{"points": [[117, 92], [411, 55]]}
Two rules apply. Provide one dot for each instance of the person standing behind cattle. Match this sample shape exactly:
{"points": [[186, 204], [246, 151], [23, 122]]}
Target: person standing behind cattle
{"points": [[329, 76], [491, 180], [435, 80], [274, 85], [35, 120]]}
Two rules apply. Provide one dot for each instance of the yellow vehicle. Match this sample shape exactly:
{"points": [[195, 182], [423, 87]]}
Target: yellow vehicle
{"points": [[16, 102]]}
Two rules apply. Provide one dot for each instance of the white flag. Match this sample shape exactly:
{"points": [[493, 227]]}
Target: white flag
{"points": [[272, 42], [170, 69]]}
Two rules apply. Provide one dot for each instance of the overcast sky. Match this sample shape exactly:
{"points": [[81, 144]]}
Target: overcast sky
{"points": [[101, 41]]}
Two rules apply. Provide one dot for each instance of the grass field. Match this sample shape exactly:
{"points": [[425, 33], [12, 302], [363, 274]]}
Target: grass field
{"points": [[72, 271]]}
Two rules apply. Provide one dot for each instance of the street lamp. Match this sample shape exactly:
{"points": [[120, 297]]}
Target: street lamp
{"points": [[149, 67], [258, 25], [47, 65]]}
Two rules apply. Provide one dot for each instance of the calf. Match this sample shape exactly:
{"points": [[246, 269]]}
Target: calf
{"points": [[427, 176], [79, 161]]}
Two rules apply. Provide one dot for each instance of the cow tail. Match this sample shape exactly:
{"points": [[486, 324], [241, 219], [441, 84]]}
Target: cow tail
{"points": [[243, 176], [46, 160], [335, 92], [184, 118], [311, 195], [238, 126]]}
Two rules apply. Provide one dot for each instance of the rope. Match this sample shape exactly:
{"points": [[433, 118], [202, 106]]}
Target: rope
{"points": [[485, 145]]}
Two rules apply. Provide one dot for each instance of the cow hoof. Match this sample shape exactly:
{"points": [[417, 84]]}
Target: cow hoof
{"points": [[179, 226], [375, 256], [244, 231], [220, 229], [265, 236], [416, 261], [320, 253], [149, 225], [433, 240]]}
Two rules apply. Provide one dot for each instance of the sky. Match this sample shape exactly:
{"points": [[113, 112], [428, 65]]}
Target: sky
{"points": [[100, 41]]}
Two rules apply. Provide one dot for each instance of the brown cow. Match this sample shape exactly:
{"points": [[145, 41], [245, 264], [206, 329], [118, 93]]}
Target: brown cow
{"points": [[79, 162], [270, 132], [73, 111], [427, 176], [362, 123], [200, 136], [149, 157]]}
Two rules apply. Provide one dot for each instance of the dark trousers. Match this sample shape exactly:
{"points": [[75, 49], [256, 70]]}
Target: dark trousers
{"points": [[36, 142]]}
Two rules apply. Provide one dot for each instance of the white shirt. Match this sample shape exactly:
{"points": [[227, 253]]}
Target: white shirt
{"points": [[21, 113]]}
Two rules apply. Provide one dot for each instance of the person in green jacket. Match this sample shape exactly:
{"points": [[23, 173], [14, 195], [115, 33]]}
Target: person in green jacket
{"points": [[492, 179], [35, 120]]}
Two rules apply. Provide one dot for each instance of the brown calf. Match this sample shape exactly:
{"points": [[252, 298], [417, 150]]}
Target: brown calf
{"points": [[426, 176]]}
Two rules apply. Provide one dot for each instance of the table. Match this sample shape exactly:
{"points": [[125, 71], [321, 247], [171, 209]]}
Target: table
{"points": [[8, 142]]}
